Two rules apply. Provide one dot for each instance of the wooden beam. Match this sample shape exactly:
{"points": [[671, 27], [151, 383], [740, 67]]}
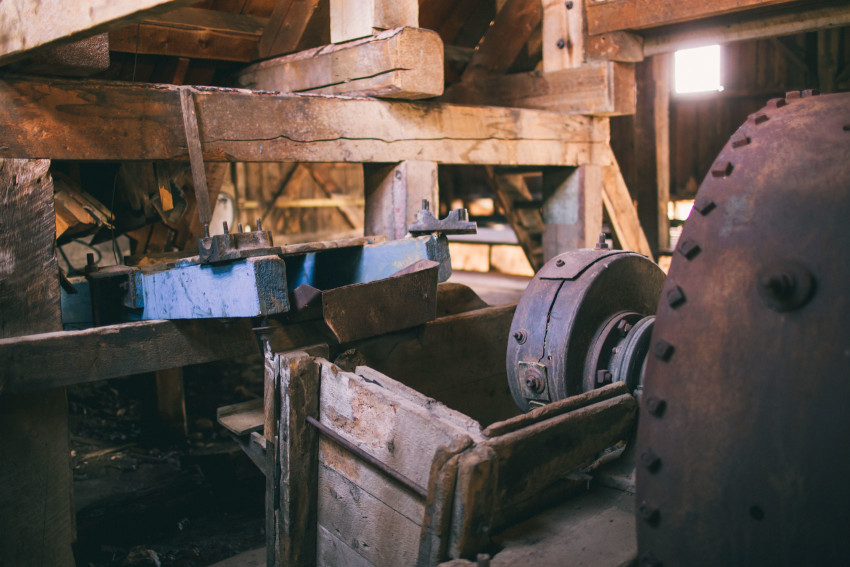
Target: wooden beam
{"points": [[286, 27], [394, 193], [31, 24], [353, 19], [192, 32], [506, 37], [36, 526], [353, 212], [171, 400], [405, 63], [572, 209], [91, 120], [615, 46], [614, 15], [600, 88], [793, 20], [563, 34], [621, 211]]}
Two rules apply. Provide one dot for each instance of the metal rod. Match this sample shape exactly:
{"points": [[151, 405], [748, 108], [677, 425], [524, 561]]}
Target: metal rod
{"points": [[383, 467]]}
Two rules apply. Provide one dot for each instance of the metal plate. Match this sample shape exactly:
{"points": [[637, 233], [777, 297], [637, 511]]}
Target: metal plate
{"points": [[557, 319], [743, 433]]}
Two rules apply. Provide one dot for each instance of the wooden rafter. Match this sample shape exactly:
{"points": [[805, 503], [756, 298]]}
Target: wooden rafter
{"points": [[286, 27], [27, 25]]}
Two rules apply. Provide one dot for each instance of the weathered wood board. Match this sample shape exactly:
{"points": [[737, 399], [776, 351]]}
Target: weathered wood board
{"points": [[144, 122], [403, 63]]}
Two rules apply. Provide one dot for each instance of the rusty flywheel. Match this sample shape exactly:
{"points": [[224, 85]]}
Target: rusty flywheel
{"points": [[742, 442]]}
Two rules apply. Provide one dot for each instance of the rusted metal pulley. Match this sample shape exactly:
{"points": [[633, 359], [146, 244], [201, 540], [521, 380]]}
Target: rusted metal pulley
{"points": [[582, 323], [742, 441]]}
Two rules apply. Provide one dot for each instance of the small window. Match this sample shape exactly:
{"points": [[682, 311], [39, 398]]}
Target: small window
{"points": [[697, 70]]}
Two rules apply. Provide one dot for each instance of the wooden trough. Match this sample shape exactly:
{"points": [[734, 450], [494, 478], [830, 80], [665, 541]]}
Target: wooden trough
{"points": [[364, 470]]}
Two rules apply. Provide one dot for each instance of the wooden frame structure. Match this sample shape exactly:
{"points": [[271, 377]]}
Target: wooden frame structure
{"points": [[589, 49]]}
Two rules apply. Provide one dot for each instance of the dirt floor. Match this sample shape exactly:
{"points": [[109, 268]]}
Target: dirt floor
{"points": [[147, 497]]}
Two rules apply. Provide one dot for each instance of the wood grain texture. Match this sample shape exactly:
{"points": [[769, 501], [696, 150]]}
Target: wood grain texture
{"points": [[403, 63], [29, 24], [286, 27], [505, 38], [192, 32], [133, 122], [601, 88], [615, 46], [563, 34], [394, 194], [299, 460], [612, 15], [572, 209], [37, 525], [353, 19], [621, 210]]}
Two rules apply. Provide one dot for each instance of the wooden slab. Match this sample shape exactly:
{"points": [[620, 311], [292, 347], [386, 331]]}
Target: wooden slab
{"points": [[403, 63], [144, 122], [243, 418]]}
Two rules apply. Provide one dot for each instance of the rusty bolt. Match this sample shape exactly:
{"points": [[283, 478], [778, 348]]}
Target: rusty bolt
{"points": [[482, 560], [776, 103], [224, 226], [602, 243], [649, 513], [239, 227], [759, 118], [662, 350], [740, 140], [561, 43], [569, 5], [655, 406], [809, 92], [534, 383], [650, 460], [520, 336], [259, 224], [722, 169], [689, 249], [704, 205], [623, 327], [603, 376], [559, 262], [675, 296]]}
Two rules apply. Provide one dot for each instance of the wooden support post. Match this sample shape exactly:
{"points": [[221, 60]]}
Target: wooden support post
{"points": [[353, 19], [563, 34], [394, 194], [642, 147], [37, 522], [298, 444], [572, 209], [171, 400]]}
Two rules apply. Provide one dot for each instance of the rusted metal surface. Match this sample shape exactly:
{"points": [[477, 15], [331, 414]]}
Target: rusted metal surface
{"points": [[235, 245], [559, 335], [457, 222], [745, 457]]}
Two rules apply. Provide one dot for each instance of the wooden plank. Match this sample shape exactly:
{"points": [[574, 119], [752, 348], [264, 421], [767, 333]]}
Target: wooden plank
{"points": [[394, 194], [563, 34], [401, 428], [572, 209], [353, 214], [192, 32], [36, 495], [511, 190], [473, 502], [793, 20], [613, 15], [333, 552], [277, 525], [502, 43], [286, 27], [353, 19], [526, 465], [602, 88], [299, 460], [243, 418], [555, 409], [48, 360], [404, 63], [458, 360], [171, 401], [621, 210], [615, 46], [32, 24], [143, 122]]}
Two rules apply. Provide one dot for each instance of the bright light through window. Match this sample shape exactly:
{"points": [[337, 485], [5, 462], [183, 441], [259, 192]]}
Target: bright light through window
{"points": [[697, 70]]}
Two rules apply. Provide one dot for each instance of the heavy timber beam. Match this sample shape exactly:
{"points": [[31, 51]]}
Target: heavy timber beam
{"points": [[29, 24], [91, 120], [404, 63], [602, 88], [613, 15]]}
